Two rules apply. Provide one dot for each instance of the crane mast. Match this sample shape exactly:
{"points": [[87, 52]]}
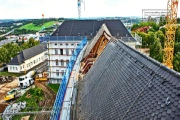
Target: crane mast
{"points": [[79, 7], [172, 8]]}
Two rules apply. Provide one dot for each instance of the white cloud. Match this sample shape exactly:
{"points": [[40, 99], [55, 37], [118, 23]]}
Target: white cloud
{"points": [[68, 8]]}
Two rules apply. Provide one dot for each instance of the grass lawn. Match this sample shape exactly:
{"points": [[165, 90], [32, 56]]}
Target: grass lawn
{"points": [[5, 73], [31, 26], [54, 87]]}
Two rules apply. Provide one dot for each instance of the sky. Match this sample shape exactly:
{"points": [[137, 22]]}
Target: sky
{"points": [[22, 9]]}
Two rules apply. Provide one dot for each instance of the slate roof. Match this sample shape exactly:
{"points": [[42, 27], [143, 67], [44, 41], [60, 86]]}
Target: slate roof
{"points": [[125, 84], [89, 28], [28, 53]]}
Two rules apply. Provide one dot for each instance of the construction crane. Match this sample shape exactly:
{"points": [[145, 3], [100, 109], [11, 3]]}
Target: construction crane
{"points": [[79, 7], [172, 8]]}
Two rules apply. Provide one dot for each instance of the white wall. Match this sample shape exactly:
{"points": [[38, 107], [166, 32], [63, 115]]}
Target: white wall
{"points": [[14, 68], [52, 69], [32, 62]]}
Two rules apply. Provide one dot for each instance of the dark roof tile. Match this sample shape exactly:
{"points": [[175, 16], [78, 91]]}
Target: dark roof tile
{"points": [[89, 28], [125, 84]]}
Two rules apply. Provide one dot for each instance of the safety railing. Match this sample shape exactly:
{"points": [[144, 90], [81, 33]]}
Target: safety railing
{"points": [[128, 39], [62, 89], [60, 38]]}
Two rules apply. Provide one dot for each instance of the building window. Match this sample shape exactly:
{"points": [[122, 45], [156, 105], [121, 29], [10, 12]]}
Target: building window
{"points": [[10, 68], [57, 72], [34, 61], [56, 51], [61, 51], [67, 62], [61, 44], [16, 68], [67, 51], [62, 72], [55, 44], [62, 63], [66, 44], [72, 51], [77, 44], [56, 61], [20, 67], [72, 44], [39, 59]]}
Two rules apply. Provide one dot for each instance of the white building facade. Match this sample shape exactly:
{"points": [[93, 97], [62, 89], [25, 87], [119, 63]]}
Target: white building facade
{"points": [[60, 51]]}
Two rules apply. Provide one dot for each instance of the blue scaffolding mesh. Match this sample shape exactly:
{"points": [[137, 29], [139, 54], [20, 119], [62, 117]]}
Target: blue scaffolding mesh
{"points": [[62, 89]]}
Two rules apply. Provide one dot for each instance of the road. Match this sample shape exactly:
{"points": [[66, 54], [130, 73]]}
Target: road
{"points": [[7, 33]]}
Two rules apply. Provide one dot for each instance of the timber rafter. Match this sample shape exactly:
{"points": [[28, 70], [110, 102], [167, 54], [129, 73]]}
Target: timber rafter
{"points": [[94, 53]]}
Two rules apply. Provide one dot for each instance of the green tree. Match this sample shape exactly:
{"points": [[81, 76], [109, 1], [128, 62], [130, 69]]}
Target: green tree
{"points": [[161, 36], [13, 49], [178, 20], [163, 30], [25, 45], [154, 25], [177, 35], [144, 38], [143, 24], [151, 30], [176, 62], [2, 38], [32, 42], [156, 51], [29, 43], [22, 41], [4, 55], [176, 47], [151, 38], [135, 26], [162, 21]]}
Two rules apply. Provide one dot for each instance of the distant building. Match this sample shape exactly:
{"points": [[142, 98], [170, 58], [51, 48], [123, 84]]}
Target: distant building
{"points": [[28, 58], [3, 42], [26, 37], [2, 30], [17, 24], [143, 29]]}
